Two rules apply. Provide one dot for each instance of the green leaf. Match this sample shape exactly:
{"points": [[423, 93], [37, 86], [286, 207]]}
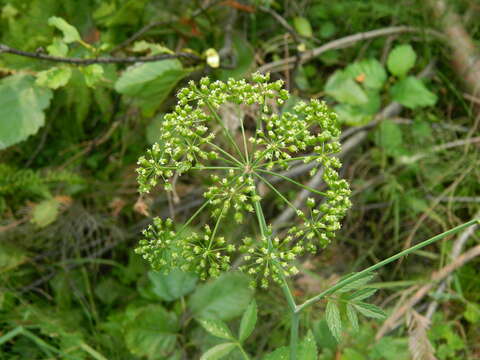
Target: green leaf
{"points": [[352, 317], [370, 73], [249, 319], [21, 108], [244, 56], [218, 352], [308, 348], [412, 93], [57, 48], [282, 353], [356, 115], [150, 83], [54, 78], [401, 60], [344, 89], [217, 328], [224, 298], [70, 34], [334, 322], [302, 26], [354, 285], [389, 137], [45, 212], [362, 294], [93, 74], [369, 310], [172, 286], [472, 313], [109, 290], [151, 332]]}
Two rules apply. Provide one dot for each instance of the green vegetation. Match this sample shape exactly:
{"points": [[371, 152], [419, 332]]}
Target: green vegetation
{"points": [[238, 180]]}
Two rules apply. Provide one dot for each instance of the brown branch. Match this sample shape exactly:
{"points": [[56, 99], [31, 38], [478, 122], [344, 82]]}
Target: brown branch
{"points": [[345, 42], [99, 60]]}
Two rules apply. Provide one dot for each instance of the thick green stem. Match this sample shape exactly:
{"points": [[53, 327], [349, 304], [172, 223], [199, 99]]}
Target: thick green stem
{"points": [[295, 316], [397, 256]]}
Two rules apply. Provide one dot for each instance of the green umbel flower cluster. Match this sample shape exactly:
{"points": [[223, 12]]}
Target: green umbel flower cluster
{"points": [[259, 147]]}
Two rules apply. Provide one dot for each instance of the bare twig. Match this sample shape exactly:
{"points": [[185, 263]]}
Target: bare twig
{"points": [[342, 43], [99, 60]]}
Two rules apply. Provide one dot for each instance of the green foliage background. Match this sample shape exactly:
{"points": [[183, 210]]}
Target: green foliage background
{"points": [[70, 215]]}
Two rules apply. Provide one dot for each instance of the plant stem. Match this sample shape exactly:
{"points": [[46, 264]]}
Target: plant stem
{"points": [[295, 316], [244, 354], [362, 273]]}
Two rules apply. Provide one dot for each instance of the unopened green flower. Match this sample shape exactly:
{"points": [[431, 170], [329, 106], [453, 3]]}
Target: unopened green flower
{"points": [[261, 147]]}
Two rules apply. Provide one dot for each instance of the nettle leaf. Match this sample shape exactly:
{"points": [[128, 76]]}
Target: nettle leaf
{"points": [[21, 108], [334, 322], [151, 332], [70, 33], [401, 60], [302, 26], [370, 73], [218, 352], [352, 317], [412, 93], [354, 285], [217, 328], [369, 310], [54, 78], [45, 212], [172, 286], [224, 298], [249, 319], [344, 89], [150, 83]]}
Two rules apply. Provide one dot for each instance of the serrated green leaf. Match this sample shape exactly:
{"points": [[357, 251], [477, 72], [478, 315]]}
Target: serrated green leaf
{"points": [[352, 317], [249, 319], [70, 34], [224, 298], [54, 78], [370, 73], [344, 89], [282, 353], [150, 83], [412, 93], [57, 48], [93, 74], [21, 108], [354, 285], [218, 352], [334, 322], [369, 310], [172, 286], [217, 328], [302, 26], [362, 294], [401, 60], [308, 348], [151, 332], [389, 137]]}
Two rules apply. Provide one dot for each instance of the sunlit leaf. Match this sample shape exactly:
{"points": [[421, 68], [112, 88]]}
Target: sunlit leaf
{"points": [[334, 322], [249, 319], [70, 34], [401, 60]]}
